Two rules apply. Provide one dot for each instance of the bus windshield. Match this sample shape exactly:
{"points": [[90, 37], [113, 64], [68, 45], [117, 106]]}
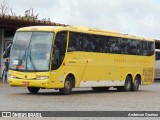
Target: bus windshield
{"points": [[31, 51]]}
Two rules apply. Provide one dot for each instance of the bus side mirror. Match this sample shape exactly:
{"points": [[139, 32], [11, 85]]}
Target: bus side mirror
{"points": [[6, 53]]}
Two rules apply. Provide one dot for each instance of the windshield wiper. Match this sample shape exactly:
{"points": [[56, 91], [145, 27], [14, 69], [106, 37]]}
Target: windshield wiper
{"points": [[31, 60]]}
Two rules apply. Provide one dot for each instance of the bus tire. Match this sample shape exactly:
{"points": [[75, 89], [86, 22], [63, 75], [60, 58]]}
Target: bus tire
{"points": [[68, 85], [120, 88], [100, 89], [127, 85], [33, 90], [135, 84]]}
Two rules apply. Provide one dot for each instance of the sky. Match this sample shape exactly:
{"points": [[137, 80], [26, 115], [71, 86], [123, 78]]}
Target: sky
{"points": [[134, 17]]}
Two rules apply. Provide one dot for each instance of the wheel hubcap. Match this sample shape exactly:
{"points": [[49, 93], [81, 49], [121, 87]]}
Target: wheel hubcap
{"points": [[136, 83], [67, 85], [128, 84]]}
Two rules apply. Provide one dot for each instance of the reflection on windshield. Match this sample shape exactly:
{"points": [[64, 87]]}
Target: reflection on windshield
{"points": [[31, 51]]}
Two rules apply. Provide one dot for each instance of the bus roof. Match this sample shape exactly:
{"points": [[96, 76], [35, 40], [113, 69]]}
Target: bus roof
{"points": [[82, 30]]}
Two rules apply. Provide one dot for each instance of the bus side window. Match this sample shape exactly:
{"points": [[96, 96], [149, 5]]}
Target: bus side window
{"points": [[89, 43], [150, 48], [105, 44], [114, 43], [144, 48], [75, 42], [72, 43]]}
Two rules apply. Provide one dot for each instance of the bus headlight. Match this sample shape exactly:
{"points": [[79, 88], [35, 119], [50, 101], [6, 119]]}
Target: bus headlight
{"points": [[12, 76], [42, 77]]}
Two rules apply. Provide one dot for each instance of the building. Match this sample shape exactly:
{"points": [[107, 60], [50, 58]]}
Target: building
{"points": [[8, 27]]}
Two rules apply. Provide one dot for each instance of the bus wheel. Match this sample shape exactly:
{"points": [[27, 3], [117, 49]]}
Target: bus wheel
{"points": [[100, 89], [67, 86], [120, 88], [135, 84], [33, 90], [127, 85]]}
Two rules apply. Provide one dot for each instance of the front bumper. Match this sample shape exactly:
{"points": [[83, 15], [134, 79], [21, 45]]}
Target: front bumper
{"points": [[29, 83]]}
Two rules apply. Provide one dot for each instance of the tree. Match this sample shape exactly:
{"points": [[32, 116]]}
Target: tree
{"points": [[30, 14], [4, 7]]}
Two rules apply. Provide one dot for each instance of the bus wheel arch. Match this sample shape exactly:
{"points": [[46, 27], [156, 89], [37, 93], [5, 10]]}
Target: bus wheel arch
{"points": [[136, 82], [69, 83], [127, 84], [33, 90], [73, 79]]}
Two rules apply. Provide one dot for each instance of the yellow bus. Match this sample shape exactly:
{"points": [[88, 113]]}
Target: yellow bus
{"points": [[63, 58]]}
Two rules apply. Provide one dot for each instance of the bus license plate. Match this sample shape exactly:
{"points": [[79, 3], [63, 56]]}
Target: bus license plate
{"points": [[25, 83]]}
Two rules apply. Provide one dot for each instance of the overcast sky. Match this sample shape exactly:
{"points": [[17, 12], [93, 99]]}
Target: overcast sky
{"points": [[135, 17]]}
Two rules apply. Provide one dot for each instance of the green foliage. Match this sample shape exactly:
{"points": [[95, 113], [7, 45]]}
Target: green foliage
{"points": [[29, 14]]}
